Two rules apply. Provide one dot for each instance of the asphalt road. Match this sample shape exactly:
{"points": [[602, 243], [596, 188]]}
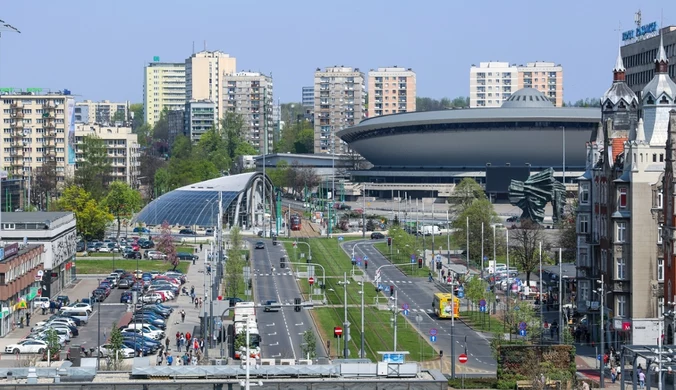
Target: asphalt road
{"points": [[419, 295], [282, 331]]}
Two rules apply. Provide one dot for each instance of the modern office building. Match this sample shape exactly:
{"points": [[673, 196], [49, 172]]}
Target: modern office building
{"points": [[340, 99], [163, 88], [391, 91], [308, 97], [204, 73], [638, 55], [250, 94], [104, 112], [38, 136], [176, 125], [619, 222], [200, 117], [124, 151], [491, 83]]}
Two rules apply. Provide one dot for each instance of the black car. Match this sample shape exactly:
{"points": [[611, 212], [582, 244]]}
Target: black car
{"points": [[80, 246], [260, 245], [125, 283], [377, 236], [146, 244], [63, 300], [233, 300], [132, 255], [99, 295], [189, 232], [186, 256]]}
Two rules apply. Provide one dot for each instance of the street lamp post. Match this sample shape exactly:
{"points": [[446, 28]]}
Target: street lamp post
{"points": [[603, 349]]}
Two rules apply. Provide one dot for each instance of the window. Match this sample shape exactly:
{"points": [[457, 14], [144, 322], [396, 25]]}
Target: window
{"points": [[582, 257], [621, 268], [660, 270], [622, 306], [660, 200], [584, 290], [621, 232], [584, 193], [583, 223], [623, 198], [659, 234]]}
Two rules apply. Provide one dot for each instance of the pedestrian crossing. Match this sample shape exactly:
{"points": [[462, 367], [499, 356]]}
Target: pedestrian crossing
{"points": [[275, 274]]}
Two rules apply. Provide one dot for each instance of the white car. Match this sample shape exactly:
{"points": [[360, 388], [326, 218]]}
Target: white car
{"points": [[151, 298], [27, 346], [104, 249], [81, 305], [145, 331], [106, 349], [155, 255], [42, 336]]}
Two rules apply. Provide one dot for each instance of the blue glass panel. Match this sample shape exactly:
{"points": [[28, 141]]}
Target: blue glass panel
{"points": [[186, 208]]}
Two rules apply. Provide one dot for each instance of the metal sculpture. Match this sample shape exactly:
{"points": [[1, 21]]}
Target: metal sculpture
{"points": [[533, 195]]}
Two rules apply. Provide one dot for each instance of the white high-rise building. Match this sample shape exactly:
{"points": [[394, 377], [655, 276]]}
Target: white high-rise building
{"points": [[250, 94], [204, 73], [163, 88]]}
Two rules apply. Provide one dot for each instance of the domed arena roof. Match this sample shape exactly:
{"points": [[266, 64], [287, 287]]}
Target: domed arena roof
{"points": [[527, 98]]}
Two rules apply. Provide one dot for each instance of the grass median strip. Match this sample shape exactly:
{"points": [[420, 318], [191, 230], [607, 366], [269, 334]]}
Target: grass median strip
{"points": [[404, 259], [482, 322], [106, 266]]}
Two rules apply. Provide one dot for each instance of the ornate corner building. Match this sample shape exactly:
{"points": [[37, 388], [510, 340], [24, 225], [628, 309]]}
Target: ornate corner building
{"points": [[619, 217]]}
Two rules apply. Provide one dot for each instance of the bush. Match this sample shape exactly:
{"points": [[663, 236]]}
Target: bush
{"points": [[474, 383]]}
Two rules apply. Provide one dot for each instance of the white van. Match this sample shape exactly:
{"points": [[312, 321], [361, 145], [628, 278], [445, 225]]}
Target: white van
{"points": [[38, 301], [80, 314]]}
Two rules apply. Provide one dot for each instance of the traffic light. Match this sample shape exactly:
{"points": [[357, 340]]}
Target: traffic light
{"points": [[296, 302], [441, 353], [420, 263], [389, 241], [438, 265]]}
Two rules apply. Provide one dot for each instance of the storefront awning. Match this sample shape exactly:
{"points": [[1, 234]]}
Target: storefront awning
{"points": [[21, 305], [33, 292]]}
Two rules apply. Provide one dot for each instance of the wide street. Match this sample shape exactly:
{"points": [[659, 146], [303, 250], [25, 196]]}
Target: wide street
{"points": [[418, 294], [282, 331]]}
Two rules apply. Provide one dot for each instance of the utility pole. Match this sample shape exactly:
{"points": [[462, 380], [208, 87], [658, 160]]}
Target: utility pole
{"points": [[395, 310], [509, 288], [363, 353], [346, 324], [603, 349], [448, 237], [467, 231], [363, 214], [542, 321], [453, 337], [265, 151], [561, 299], [482, 250]]}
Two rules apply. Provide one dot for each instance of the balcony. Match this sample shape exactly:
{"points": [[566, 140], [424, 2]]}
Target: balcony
{"points": [[49, 105], [17, 114]]}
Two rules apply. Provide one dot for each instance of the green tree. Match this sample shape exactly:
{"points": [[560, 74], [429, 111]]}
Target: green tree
{"points": [[116, 346], [91, 218], [479, 212], [211, 146], [568, 234], [309, 346], [121, 201], [526, 246], [144, 132], [165, 244], [161, 128], [403, 244], [119, 116], [464, 194], [52, 340], [92, 171], [235, 264], [279, 175], [137, 114]]}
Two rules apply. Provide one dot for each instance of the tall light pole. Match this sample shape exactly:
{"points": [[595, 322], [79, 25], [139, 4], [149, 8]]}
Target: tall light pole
{"points": [[362, 353], [561, 298], [541, 303], [265, 151], [346, 324], [563, 131], [467, 231], [482, 250], [603, 349], [4, 26], [448, 237]]}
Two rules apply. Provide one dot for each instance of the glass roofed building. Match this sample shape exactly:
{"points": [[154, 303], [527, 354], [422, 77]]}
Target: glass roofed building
{"points": [[197, 204]]}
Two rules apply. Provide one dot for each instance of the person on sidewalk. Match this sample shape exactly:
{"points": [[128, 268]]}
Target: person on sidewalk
{"points": [[197, 302], [170, 359], [182, 315], [187, 337], [166, 343], [28, 319], [45, 306], [641, 379], [201, 301], [159, 359]]}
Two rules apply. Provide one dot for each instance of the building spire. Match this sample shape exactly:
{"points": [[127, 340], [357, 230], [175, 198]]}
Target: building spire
{"points": [[640, 132], [661, 61], [619, 70]]}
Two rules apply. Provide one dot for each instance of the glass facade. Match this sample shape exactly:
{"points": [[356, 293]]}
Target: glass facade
{"points": [[186, 208]]}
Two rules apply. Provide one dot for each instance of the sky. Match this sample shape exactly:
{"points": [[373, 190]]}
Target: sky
{"points": [[97, 49]]}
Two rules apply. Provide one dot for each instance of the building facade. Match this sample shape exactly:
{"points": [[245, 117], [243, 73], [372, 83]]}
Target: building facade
{"points": [[639, 55], [38, 135], [163, 88], [56, 232], [250, 94], [308, 97], [391, 90], [204, 73], [21, 273], [619, 220], [103, 112], [340, 99], [124, 151], [200, 117], [491, 83], [176, 125]]}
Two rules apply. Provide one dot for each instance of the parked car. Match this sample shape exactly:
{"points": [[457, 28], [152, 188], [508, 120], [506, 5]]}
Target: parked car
{"points": [[126, 297], [189, 232], [27, 346], [154, 255], [106, 350], [146, 244], [80, 305], [141, 230], [125, 284], [377, 236], [186, 256], [80, 246]]}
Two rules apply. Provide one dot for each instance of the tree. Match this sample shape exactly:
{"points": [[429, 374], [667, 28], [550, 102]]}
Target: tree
{"points": [[52, 340], [370, 225], [91, 218], [301, 177], [150, 165], [165, 244], [44, 183], [279, 175], [479, 212], [525, 248], [568, 234], [235, 264], [121, 201], [116, 346], [464, 194], [309, 346], [138, 119], [429, 104], [93, 167], [119, 116]]}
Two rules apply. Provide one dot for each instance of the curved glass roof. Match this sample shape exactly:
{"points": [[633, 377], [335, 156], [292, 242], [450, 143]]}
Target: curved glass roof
{"points": [[195, 204], [527, 97]]}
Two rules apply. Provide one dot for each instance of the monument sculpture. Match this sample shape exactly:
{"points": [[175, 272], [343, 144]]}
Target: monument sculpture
{"points": [[532, 195]]}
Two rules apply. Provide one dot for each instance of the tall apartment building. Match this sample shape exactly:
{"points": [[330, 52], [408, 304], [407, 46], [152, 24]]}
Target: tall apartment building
{"points": [[391, 90], [491, 83], [38, 135], [102, 112], [204, 73], [308, 97], [619, 217], [340, 98], [250, 94], [163, 88], [124, 151], [200, 117], [638, 56], [176, 125]]}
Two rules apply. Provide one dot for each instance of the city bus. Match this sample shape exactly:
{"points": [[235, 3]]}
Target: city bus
{"points": [[446, 303]]}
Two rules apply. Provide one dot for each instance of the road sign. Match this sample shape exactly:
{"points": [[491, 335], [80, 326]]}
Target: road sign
{"points": [[598, 357], [337, 331], [311, 280], [438, 257], [380, 287], [405, 306], [387, 289], [412, 260], [366, 258], [462, 358], [522, 325], [433, 332], [340, 238], [485, 258], [433, 338], [405, 312], [295, 244], [522, 332]]}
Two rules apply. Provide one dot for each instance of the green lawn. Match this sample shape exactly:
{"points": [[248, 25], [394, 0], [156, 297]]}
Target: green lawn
{"points": [[379, 333], [91, 266], [411, 270], [482, 321]]}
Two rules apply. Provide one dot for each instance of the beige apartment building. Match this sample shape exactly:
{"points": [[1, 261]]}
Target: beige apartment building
{"points": [[491, 83], [123, 150], [204, 73], [340, 98], [35, 133], [250, 94], [102, 112], [163, 88], [391, 90]]}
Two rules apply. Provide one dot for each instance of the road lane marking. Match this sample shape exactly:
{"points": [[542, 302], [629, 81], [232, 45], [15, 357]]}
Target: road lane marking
{"points": [[273, 324], [301, 324], [272, 334], [274, 344]]}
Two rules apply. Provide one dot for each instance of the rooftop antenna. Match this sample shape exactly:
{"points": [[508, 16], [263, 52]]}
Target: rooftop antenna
{"points": [[637, 21], [193, 47], [205, 45]]}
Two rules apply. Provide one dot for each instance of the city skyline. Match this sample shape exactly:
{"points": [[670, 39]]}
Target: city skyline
{"points": [[303, 37]]}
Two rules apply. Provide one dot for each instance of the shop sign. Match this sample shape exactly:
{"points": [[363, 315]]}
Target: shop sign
{"points": [[9, 251], [39, 275]]}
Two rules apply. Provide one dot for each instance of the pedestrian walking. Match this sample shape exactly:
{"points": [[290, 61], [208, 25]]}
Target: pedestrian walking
{"points": [[45, 306], [166, 343], [159, 359], [641, 379], [202, 344], [178, 343], [182, 315], [170, 359], [192, 290], [192, 297], [197, 302], [201, 303], [187, 337], [196, 344]]}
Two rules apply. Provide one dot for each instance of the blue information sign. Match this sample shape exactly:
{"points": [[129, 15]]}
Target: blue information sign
{"points": [[522, 332], [405, 312], [522, 325], [340, 238], [433, 338], [412, 259]]}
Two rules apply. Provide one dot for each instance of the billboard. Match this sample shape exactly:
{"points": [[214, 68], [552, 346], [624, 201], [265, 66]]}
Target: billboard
{"points": [[498, 179], [70, 112]]}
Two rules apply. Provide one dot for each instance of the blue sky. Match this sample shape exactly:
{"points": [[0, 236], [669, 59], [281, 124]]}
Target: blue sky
{"points": [[97, 48]]}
